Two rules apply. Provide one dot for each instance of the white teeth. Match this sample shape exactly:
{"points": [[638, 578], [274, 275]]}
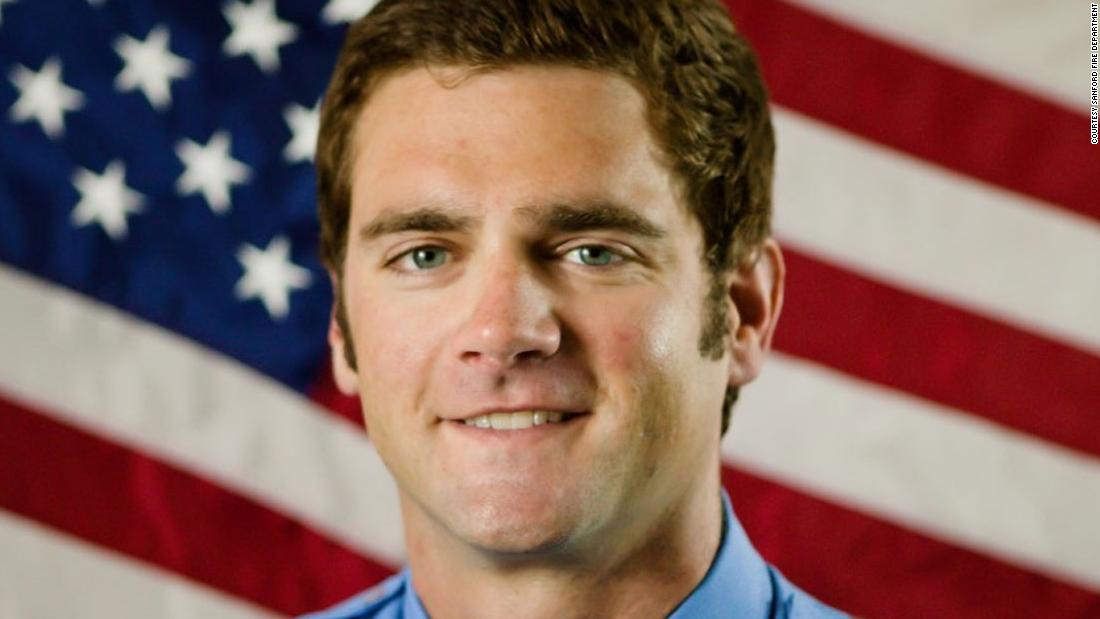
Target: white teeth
{"points": [[501, 421], [514, 421]]}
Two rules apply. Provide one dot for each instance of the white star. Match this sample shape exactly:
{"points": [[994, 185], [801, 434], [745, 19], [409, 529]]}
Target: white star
{"points": [[2, 3], [95, 2], [105, 199], [150, 66], [303, 123], [270, 275], [257, 32], [210, 170], [338, 11], [42, 97]]}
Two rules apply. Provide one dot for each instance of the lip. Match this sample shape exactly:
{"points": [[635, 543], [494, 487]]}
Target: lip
{"points": [[521, 440], [570, 412]]}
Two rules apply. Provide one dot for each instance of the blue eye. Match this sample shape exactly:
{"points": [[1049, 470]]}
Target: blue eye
{"points": [[426, 257], [429, 257], [594, 255]]}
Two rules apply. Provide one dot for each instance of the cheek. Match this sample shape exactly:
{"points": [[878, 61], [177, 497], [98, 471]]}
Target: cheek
{"points": [[649, 338], [651, 371], [393, 345], [642, 365]]}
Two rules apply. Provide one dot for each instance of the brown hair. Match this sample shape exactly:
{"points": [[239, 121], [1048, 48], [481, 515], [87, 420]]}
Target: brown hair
{"points": [[706, 103]]}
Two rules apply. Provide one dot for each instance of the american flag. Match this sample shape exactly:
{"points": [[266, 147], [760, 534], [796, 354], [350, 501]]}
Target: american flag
{"points": [[925, 441]]}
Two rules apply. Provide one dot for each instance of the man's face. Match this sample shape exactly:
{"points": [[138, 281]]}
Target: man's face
{"points": [[515, 245]]}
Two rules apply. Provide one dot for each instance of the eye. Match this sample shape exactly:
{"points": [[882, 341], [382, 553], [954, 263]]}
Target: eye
{"points": [[593, 255], [423, 258]]}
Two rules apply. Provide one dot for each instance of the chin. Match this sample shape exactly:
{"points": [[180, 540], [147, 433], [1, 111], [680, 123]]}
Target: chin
{"points": [[518, 542], [506, 524]]}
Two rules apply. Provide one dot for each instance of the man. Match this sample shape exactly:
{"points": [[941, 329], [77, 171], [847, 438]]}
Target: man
{"points": [[547, 225]]}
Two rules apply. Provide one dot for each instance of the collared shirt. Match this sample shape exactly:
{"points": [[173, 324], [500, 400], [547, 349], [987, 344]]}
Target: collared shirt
{"points": [[739, 584]]}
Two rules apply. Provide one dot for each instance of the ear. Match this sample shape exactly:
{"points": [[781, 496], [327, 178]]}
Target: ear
{"points": [[756, 297], [345, 376]]}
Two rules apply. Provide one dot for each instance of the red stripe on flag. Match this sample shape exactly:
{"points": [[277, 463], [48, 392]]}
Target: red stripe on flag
{"points": [[908, 101], [128, 502], [941, 353], [875, 569]]}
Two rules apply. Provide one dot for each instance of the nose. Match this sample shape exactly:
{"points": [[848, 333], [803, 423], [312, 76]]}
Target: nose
{"points": [[512, 320]]}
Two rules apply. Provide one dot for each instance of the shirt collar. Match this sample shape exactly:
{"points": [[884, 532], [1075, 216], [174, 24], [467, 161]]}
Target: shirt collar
{"points": [[411, 606], [737, 584]]}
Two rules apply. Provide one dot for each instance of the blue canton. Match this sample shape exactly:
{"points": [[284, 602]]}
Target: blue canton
{"points": [[157, 155]]}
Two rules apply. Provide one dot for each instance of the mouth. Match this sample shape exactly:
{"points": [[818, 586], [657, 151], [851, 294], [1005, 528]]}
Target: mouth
{"points": [[518, 420]]}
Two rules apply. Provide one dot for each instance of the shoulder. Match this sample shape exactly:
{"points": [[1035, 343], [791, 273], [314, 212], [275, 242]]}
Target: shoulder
{"points": [[790, 602], [382, 601]]}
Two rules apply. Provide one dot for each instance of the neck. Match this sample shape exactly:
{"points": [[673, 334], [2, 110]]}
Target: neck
{"points": [[647, 574]]}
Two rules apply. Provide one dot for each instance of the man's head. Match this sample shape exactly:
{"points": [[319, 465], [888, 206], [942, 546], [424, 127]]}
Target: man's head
{"points": [[558, 204], [706, 103]]}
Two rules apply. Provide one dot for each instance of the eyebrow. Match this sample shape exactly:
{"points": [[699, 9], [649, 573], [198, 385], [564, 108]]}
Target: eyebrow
{"points": [[592, 215], [554, 217], [424, 219]]}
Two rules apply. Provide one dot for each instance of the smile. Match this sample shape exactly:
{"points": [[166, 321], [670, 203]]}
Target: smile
{"points": [[519, 420]]}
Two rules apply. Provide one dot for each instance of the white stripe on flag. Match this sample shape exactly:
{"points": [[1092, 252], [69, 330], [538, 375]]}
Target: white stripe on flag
{"points": [[46, 575], [95, 367], [950, 475], [1036, 46], [876, 211]]}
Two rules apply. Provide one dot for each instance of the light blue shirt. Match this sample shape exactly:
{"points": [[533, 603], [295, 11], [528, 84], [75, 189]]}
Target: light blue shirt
{"points": [[739, 584]]}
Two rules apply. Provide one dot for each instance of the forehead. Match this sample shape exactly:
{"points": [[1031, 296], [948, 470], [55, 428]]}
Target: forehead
{"points": [[502, 140]]}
